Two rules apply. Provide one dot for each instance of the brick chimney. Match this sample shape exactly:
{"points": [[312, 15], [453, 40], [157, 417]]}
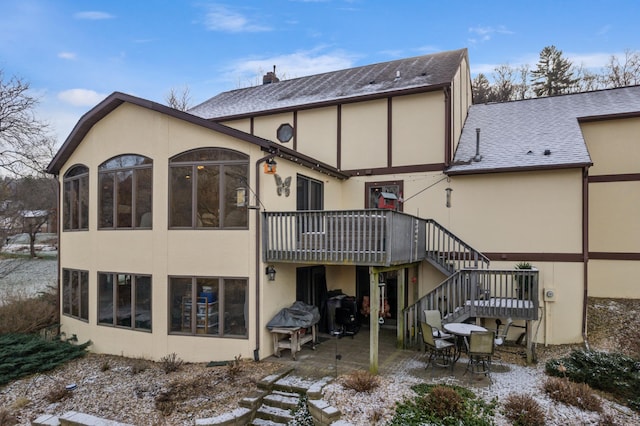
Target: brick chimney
{"points": [[270, 77]]}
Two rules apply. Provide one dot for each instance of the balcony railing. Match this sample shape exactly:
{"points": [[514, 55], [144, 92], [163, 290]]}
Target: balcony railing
{"points": [[363, 237]]}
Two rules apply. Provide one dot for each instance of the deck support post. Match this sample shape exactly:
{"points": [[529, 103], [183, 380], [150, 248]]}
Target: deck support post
{"points": [[400, 310], [374, 314]]}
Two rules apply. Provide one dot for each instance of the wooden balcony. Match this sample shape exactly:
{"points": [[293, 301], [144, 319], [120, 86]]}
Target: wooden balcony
{"points": [[345, 237]]}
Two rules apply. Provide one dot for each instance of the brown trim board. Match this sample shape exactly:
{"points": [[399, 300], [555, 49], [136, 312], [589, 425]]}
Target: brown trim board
{"points": [[436, 167], [535, 257], [628, 177], [602, 255]]}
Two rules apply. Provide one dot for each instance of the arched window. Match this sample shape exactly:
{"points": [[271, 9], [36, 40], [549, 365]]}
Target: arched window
{"points": [[125, 192], [207, 189], [75, 202]]}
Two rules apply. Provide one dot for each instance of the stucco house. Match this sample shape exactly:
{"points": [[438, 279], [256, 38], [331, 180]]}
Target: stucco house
{"points": [[186, 232]]}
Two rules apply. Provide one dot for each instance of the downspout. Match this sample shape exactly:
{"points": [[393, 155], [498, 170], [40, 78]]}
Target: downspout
{"points": [[58, 227], [258, 261], [447, 128], [585, 252]]}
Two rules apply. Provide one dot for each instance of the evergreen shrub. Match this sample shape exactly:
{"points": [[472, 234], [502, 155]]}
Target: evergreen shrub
{"points": [[614, 373], [421, 410], [25, 354]]}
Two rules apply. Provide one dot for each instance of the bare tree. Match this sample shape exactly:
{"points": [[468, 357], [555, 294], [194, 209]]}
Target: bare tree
{"points": [[180, 100], [504, 86], [522, 90], [29, 205], [25, 146], [586, 80], [626, 72]]}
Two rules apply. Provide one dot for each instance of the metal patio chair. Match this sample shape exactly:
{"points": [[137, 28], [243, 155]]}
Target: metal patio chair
{"points": [[441, 351], [480, 349], [433, 317]]}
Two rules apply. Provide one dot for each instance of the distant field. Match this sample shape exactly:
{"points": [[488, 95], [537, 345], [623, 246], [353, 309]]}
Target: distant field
{"points": [[27, 277]]}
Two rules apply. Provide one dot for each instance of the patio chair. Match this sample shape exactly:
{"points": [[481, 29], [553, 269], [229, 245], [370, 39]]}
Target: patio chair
{"points": [[433, 317], [501, 336], [480, 348], [441, 351]]}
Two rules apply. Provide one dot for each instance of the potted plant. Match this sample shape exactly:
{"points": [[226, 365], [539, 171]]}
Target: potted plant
{"points": [[523, 280]]}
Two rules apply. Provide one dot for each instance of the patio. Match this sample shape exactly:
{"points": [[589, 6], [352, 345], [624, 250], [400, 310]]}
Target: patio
{"points": [[353, 354]]}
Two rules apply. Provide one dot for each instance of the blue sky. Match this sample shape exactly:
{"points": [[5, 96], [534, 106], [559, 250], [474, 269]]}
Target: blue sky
{"points": [[75, 53]]}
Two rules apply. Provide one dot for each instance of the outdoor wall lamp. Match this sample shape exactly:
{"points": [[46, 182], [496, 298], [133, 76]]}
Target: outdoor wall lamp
{"points": [[448, 196], [271, 272], [270, 166]]}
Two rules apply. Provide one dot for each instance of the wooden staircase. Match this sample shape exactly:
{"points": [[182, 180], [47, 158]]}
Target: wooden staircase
{"points": [[471, 289]]}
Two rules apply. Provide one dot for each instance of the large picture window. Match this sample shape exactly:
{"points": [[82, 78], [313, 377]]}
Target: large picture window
{"points": [[125, 192], [76, 199], [208, 306], [207, 188], [124, 300], [75, 293]]}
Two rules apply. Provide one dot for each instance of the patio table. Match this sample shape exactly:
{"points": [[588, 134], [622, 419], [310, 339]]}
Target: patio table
{"points": [[461, 331]]}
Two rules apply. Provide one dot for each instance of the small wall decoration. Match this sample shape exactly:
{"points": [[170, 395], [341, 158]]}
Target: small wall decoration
{"points": [[283, 186]]}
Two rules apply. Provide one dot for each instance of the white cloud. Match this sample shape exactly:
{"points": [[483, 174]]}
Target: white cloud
{"points": [[81, 97], [67, 55], [249, 72], [93, 15], [221, 18], [591, 60], [485, 33]]}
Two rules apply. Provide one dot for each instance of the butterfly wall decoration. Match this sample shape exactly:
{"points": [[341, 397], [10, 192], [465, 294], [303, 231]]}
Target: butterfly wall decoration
{"points": [[283, 186]]}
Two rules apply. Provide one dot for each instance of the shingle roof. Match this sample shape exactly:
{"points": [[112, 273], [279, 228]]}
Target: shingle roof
{"points": [[113, 101], [515, 135], [404, 74]]}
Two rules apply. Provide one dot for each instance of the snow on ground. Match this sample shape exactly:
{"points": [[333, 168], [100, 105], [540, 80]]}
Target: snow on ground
{"points": [[23, 276]]}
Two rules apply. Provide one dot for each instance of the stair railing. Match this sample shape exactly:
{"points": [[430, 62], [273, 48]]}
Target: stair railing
{"points": [[449, 253], [477, 293]]}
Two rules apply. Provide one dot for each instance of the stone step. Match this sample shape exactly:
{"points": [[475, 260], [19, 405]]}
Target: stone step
{"points": [[268, 382], [293, 384], [263, 422], [253, 401], [275, 414], [285, 400]]}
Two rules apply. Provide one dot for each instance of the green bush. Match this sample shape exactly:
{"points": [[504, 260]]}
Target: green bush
{"points": [[617, 374], [25, 354], [468, 410]]}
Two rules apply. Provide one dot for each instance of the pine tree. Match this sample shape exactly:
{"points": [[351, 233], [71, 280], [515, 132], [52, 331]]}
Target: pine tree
{"points": [[553, 75], [481, 89]]}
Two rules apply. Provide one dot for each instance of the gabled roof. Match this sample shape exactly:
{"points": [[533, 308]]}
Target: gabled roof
{"points": [[421, 73], [97, 113], [514, 136]]}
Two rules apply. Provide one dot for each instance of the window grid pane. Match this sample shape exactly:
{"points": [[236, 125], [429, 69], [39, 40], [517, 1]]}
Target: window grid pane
{"points": [[203, 189], [143, 302], [105, 299], [181, 200]]}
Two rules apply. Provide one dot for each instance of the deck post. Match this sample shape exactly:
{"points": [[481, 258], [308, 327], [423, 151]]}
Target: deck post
{"points": [[374, 314], [400, 310], [529, 338]]}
